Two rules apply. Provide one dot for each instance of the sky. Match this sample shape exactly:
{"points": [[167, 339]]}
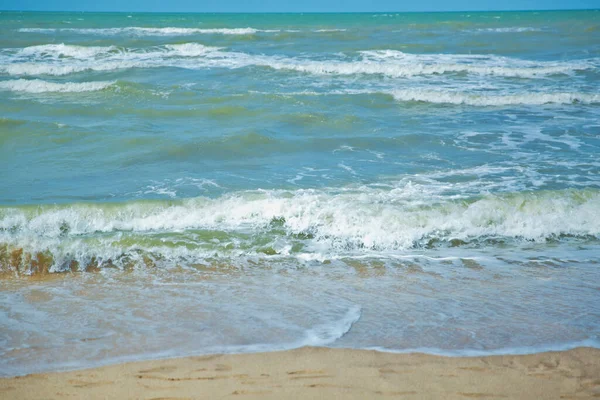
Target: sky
{"points": [[293, 5]]}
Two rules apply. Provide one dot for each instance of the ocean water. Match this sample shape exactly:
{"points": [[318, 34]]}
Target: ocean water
{"points": [[178, 184]]}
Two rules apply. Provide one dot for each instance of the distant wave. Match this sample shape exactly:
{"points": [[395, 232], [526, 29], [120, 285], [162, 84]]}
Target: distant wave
{"points": [[472, 99], [40, 86], [182, 31], [447, 97], [409, 69], [140, 31], [62, 59], [170, 31], [515, 29], [330, 30]]}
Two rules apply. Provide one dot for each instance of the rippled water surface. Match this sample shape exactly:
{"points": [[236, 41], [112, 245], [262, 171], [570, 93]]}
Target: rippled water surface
{"points": [[179, 184]]}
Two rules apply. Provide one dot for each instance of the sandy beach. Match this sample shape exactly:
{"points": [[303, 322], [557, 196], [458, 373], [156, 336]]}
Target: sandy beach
{"points": [[309, 373]]}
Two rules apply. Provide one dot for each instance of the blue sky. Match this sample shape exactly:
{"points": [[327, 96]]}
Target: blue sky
{"points": [[293, 6]]}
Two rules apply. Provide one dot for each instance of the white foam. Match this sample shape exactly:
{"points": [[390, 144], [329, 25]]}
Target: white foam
{"points": [[40, 86], [171, 187], [347, 168], [325, 334], [492, 352], [190, 49]]}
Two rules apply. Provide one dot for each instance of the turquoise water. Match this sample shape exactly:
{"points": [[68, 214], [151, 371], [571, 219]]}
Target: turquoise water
{"points": [[251, 182]]}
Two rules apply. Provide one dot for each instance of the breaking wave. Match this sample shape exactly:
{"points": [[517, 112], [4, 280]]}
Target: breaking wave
{"points": [[60, 51], [61, 59], [64, 50], [282, 223], [50, 59]]}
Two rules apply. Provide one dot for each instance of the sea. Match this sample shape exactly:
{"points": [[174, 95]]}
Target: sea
{"points": [[185, 184]]}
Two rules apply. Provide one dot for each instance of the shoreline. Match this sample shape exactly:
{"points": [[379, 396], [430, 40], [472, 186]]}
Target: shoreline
{"points": [[316, 372]]}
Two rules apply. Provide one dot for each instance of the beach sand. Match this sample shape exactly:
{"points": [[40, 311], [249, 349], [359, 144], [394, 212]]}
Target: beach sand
{"points": [[320, 373]]}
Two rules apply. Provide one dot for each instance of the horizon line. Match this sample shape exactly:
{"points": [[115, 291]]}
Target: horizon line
{"points": [[308, 12]]}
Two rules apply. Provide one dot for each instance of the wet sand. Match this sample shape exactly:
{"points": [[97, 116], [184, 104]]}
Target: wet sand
{"points": [[320, 373]]}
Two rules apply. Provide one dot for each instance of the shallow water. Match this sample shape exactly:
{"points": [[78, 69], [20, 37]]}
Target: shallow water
{"points": [[182, 184]]}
